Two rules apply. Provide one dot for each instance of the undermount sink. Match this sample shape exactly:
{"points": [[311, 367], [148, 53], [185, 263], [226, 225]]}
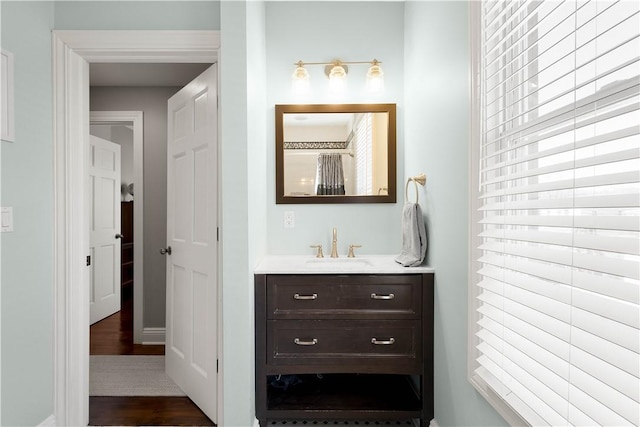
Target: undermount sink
{"points": [[339, 262]]}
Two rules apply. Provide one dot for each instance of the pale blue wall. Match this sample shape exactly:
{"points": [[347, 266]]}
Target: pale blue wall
{"points": [[257, 163], [137, 15], [243, 201], [424, 49], [27, 252], [27, 181], [318, 32], [437, 71]]}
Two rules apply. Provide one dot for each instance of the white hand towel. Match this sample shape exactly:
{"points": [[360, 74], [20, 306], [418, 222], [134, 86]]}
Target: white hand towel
{"points": [[414, 236]]}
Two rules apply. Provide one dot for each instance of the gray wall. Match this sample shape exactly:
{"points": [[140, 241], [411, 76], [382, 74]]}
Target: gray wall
{"points": [[437, 72], [152, 101], [27, 252]]}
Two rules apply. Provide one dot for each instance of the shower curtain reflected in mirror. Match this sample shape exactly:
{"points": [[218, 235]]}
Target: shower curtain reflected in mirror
{"points": [[330, 175]]}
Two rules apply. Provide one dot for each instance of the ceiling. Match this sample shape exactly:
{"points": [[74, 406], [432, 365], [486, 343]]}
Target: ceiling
{"points": [[143, 74]]}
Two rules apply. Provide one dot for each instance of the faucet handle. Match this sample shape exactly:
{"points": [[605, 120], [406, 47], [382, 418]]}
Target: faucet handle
{"points": [[351, 254], [319, 253]]}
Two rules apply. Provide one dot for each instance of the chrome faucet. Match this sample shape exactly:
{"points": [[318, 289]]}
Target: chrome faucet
{"points": [[334, 244]]}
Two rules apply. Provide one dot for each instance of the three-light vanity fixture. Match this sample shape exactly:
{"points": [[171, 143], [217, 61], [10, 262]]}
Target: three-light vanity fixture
{"points": [[337, 71]]}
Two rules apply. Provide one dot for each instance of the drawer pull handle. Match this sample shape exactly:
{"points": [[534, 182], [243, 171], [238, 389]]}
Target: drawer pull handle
{"points": [[383, 342], [305, 297], [300, 342], [376, 296]]}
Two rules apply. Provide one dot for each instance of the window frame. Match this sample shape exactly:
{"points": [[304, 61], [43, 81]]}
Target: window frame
{"points": [[477, 132], [476, 127]]}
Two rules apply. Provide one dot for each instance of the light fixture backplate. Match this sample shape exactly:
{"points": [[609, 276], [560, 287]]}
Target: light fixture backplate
{"points": [[328, 68]]}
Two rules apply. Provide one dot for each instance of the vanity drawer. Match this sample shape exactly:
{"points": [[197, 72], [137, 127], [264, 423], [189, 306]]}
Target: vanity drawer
{"points": [[343, 342], [352, 296]]}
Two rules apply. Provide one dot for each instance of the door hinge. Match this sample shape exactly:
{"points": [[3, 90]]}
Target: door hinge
{"points": [[217, 365], [217, 234], [88, 260]]}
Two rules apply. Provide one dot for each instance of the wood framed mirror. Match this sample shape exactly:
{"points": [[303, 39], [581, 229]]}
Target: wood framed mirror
{"points": [[335, 153]]}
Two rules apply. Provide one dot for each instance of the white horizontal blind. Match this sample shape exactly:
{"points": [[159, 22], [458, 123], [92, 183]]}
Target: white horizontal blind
{"points": [[363, 140], [558, 306]]}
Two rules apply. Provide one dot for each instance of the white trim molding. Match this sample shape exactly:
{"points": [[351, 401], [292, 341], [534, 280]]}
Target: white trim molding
{"points": [[72, 53], [475, 112], [143, 46], [153, 336], [507, 412], [71, 309], [475, 35], [50, 421], [135, 117]]}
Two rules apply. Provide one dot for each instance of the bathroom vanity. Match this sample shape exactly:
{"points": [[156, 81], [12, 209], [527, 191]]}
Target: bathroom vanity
{"points": [[343, 339]]}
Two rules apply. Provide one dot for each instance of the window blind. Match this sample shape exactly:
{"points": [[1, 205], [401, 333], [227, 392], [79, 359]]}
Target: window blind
{"points": [[364, 153], [557, 336]]}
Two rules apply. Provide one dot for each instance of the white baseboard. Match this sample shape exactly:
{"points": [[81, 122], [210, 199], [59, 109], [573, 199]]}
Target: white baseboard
{"points": [[49, 422], [433, 423], [256, 423], [153, 335]]}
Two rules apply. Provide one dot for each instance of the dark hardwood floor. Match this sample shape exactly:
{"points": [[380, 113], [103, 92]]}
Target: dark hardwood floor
{"points": [[114, 335], [145, 411]]}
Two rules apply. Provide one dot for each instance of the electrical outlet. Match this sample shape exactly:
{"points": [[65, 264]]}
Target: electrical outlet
{"points": [[289, 219]]}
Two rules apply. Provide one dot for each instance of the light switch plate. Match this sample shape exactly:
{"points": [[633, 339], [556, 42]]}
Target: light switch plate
{"points": [[7, 220]]}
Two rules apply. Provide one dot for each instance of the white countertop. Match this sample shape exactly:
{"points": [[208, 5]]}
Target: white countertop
{"points": [[363, 264]]}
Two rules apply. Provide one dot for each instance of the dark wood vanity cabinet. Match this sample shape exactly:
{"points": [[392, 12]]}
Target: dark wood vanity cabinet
{"points": [[344, 347]]}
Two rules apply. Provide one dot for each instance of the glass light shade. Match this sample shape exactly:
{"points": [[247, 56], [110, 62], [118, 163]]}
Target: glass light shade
{"points": [[337, 79], [375, 78], [300, 81]]}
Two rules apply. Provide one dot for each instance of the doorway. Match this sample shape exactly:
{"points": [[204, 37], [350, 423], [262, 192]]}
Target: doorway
{"points": [[149, 88], [127, 129], [73, 51]]}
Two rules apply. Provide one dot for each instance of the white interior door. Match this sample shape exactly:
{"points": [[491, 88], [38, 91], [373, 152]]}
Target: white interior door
{"points": [[104, 228], [191, 334]]}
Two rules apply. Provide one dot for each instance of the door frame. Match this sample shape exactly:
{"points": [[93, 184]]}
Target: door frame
{"points": [[135, 117], [72, 51]]}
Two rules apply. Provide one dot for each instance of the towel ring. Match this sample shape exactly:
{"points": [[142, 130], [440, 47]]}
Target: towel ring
{"points": [[418, 179]]}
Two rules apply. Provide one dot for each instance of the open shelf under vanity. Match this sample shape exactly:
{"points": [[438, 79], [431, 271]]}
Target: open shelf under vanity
{"points": [[345, 392]]}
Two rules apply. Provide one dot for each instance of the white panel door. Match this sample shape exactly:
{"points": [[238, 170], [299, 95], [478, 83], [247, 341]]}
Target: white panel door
{"points": [[191, 334], [104, 228]]}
